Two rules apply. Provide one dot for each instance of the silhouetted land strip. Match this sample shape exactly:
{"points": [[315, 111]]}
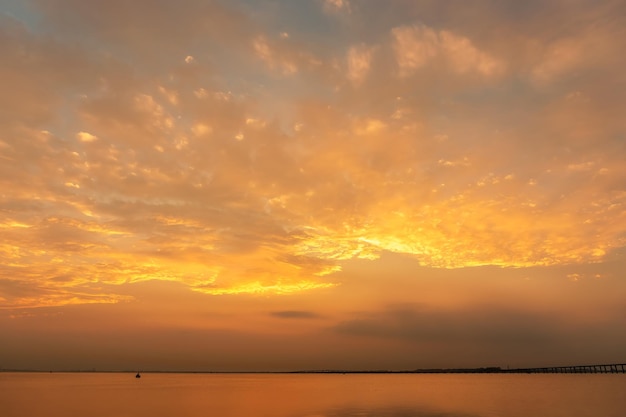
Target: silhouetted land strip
{"points": [[614, 368]]}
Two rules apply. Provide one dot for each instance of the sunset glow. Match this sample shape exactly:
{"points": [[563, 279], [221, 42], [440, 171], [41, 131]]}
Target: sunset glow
{"points": [[275, 185]]}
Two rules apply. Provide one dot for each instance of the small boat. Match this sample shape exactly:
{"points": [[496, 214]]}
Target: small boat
{"points": [[138, 375]]}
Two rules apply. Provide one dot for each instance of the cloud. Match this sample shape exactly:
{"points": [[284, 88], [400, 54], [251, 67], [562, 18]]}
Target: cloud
{"points": [[86, 137], [31, 95], [575, 56], [268, 55], [167, 167], [336, 6], [359, 60], [487, 335], [499, 327], [153, 32], [295, 314], [418, 46], [414, 47], [59, 290]]}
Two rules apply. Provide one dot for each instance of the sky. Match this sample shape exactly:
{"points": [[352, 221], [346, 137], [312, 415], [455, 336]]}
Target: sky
{"points": [[312, 184]]}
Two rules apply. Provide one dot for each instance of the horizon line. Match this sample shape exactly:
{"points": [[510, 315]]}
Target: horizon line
{"points": [[596, 368]]}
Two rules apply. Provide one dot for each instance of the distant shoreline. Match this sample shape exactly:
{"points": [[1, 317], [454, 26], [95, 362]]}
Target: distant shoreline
{"points": [[332, 371]]}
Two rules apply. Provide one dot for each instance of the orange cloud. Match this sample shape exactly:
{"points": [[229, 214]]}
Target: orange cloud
{"points": [[218, 174], [359, 60], [417, 46]]}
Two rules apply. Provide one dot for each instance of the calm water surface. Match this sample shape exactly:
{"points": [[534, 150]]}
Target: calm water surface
{"points": [[311, 395]]}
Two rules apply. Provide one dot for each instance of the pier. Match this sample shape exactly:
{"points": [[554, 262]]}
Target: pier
{"points": [[614, 368]]}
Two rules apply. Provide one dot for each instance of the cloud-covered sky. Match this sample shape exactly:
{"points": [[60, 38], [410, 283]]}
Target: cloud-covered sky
{"points": [[275, 185]]}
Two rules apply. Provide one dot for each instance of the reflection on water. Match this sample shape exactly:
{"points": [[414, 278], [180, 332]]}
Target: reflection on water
{"points": [[389, 412], [314, 395]]}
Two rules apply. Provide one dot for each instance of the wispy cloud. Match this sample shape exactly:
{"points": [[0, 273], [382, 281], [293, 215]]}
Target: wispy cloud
{"points": [[418, 46], [295, 314]]}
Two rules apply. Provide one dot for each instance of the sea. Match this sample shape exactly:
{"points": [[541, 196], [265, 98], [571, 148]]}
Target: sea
{"points": [[31, 394]]}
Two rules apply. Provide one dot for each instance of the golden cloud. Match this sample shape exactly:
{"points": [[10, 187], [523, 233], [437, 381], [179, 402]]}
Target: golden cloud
{"points": [[231, 180]]}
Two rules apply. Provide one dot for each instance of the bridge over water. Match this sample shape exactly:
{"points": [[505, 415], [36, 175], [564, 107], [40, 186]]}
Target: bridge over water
{"points": [[614, 368]]}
